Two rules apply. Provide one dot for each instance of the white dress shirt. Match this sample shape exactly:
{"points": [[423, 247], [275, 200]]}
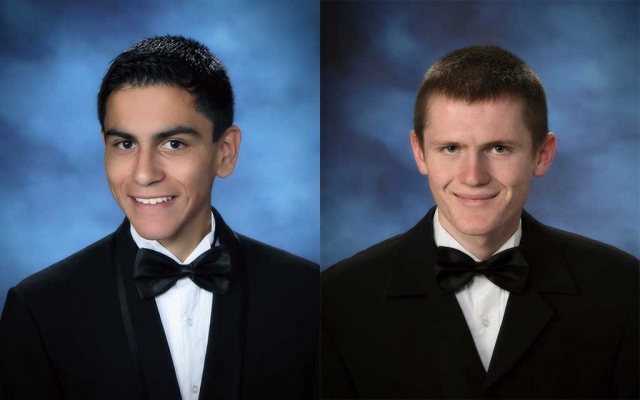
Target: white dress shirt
{"points": [[482, 302], [185, 311]]}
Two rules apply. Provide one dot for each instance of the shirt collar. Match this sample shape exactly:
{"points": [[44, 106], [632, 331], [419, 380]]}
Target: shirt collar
{"points": [[444, 238], [204, 245]]}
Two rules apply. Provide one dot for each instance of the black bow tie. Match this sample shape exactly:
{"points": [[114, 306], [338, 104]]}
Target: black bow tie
{"points": [[507, 269], [154, 273]]}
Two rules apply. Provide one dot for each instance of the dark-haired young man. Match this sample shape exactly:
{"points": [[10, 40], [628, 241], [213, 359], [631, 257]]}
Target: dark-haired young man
{"points": [[480, 300], [174, 304]]}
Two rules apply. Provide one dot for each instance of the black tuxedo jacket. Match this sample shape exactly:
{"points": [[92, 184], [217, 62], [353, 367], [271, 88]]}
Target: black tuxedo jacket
{"points": [[573, 333], [62, 334]]}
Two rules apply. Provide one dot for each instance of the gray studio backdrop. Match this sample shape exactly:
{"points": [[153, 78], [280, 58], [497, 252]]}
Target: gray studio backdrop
{"points": [[373, 57], [55, 199]]}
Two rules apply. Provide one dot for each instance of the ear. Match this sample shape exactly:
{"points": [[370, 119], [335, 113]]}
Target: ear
{"points": [[545, 154], [418, 153], [227, 151]]}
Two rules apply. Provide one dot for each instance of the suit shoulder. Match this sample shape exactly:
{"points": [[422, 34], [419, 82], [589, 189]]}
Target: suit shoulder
{"points": [[592, 250], [279, 281], [68, 268], [364, 262], [267, 254], [596, 264]]}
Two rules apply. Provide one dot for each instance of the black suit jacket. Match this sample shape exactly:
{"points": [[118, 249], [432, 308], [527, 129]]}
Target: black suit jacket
{"points": [[62, 333], [573, 333]]}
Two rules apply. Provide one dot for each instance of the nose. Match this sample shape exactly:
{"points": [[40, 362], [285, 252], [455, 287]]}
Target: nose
{"points": [[474, 171], [147, 168]]}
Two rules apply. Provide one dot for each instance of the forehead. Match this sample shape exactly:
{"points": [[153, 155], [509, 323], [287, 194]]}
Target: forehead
{"points": [[480, 121], [151, 109]]}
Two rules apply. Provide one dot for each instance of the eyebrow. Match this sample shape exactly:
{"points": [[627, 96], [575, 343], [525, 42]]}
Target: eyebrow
{"points": [[505, 142], [443, 143], [158, 136]]}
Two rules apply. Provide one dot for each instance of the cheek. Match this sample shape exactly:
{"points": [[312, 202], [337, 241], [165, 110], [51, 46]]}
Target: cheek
{"points": [[116, 179], [517, 181], [440, 173], [195, 176], [114, 172], [514, 174]]}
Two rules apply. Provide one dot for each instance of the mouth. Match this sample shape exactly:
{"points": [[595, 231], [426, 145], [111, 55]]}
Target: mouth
{"points": [[474, 199], [153, 200]]}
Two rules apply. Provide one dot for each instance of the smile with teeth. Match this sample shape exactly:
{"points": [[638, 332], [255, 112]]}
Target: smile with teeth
{"points": [[155, 200]]}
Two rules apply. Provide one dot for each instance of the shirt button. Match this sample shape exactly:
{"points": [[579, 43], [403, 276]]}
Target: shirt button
{"points": [[195, 388], [486, 323], [190, 323]]}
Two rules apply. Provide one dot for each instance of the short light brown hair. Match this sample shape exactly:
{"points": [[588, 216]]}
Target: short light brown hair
{"points": [[480, 73]]}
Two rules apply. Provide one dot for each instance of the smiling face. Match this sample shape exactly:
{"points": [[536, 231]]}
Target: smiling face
{"points": [[161, 161], [480, 160]]}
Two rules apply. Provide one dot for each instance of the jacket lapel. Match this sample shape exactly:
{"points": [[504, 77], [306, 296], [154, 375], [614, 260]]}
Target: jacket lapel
{"points": [[527, 314], [222, 374], [444, 341], [154, 354]]}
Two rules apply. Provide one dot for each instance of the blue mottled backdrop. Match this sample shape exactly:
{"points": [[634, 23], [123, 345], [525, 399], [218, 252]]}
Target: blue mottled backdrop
{"points": [[55, 199], [373, 57]]}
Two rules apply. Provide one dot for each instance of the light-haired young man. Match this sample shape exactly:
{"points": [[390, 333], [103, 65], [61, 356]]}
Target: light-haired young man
{"points": [[480, 300]]}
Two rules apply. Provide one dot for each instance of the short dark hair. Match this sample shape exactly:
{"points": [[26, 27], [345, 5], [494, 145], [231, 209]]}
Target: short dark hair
{"points": [[179, 61], [481, 73]]}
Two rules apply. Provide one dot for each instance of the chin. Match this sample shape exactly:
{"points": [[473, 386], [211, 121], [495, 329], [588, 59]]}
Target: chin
{"points": [[472, 228], [476, 230], [152, 231], [473, 225]]}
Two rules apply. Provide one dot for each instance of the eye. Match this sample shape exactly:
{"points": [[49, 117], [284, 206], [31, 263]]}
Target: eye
{"points": [[500, 149], [124, 145], [173, 145], [450, 149]]}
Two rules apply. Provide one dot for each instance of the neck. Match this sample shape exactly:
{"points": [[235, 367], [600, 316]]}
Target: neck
{"points": [[481, 246], [181, 250], [184, 242]]}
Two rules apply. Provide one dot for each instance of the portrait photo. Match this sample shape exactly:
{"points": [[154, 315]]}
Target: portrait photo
{"points": [[161, 206], [56, 197], [479, 199]]}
